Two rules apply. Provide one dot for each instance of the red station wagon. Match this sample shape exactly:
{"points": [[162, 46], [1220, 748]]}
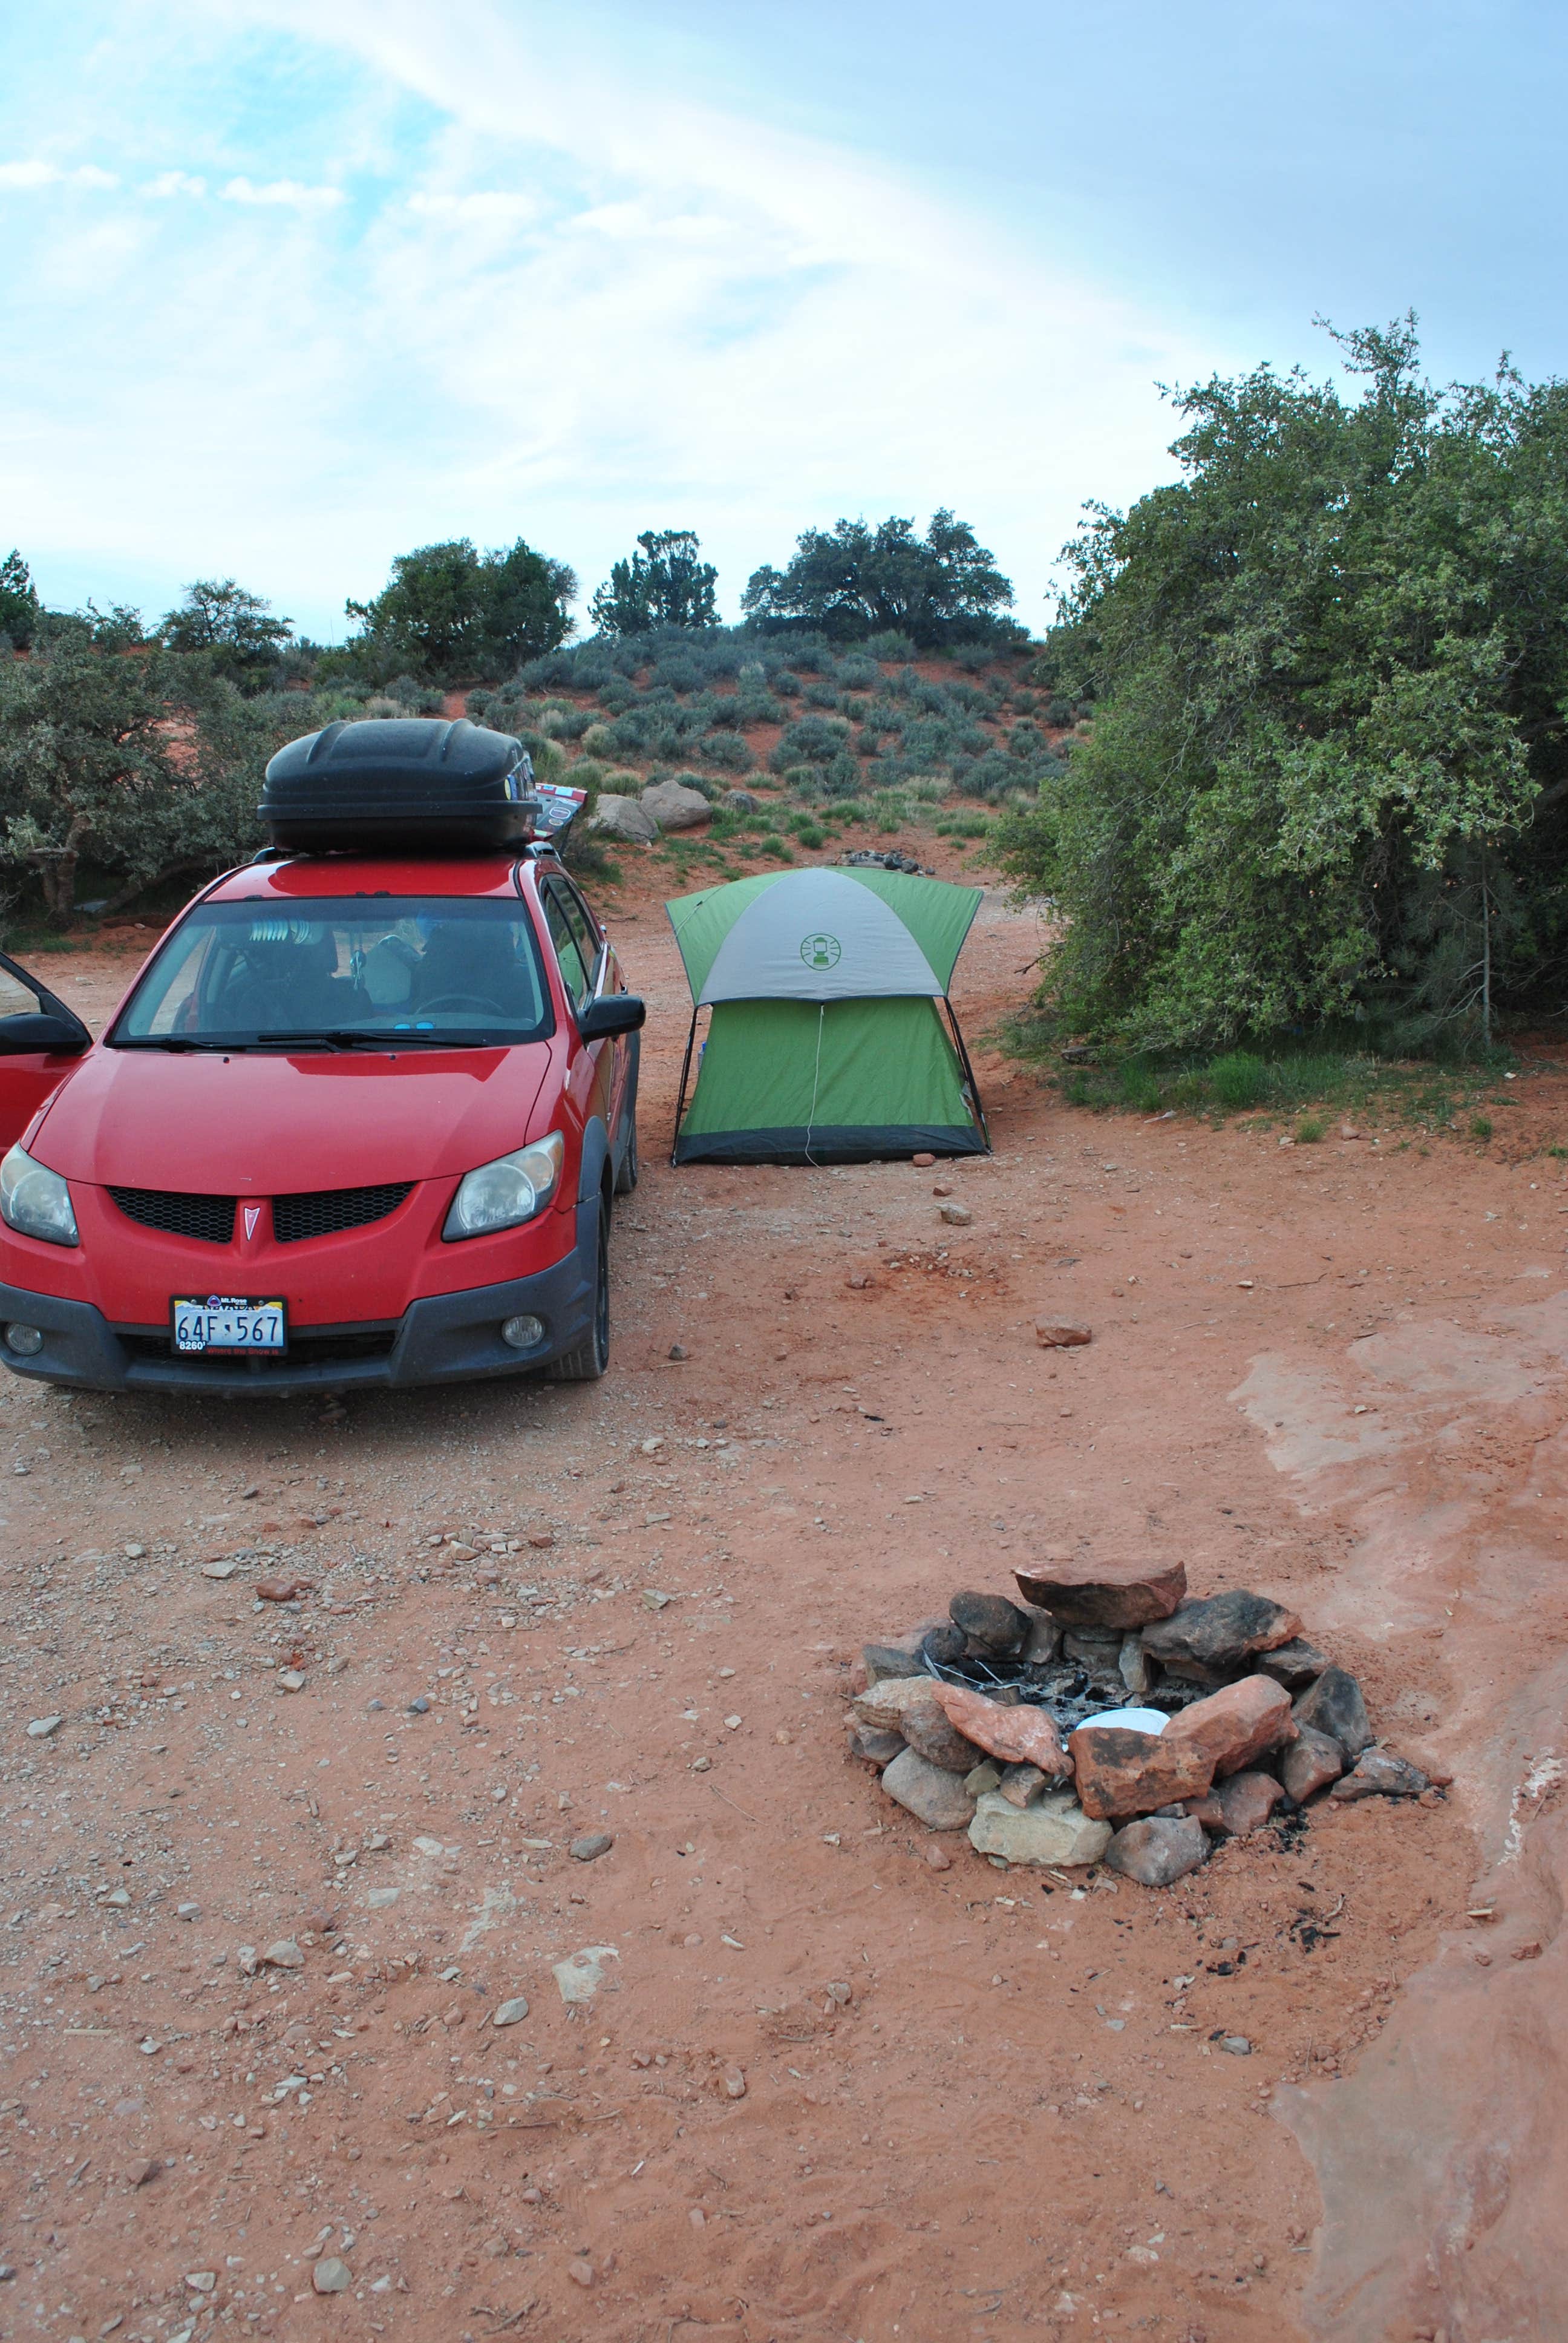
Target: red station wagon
{"points": [[358, 1120]]}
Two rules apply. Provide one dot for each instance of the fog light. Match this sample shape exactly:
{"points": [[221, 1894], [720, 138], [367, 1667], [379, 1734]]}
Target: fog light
{"points": [[522, 1333], [25, 1340]]}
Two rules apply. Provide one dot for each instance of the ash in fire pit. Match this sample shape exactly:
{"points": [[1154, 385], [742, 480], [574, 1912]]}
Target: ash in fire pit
{"points": [[1110, 1718]]}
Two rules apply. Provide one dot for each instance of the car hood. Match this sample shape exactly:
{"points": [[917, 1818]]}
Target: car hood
{"points": [[265, 1124]]}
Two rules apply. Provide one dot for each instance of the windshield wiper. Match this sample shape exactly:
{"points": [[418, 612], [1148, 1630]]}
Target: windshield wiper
{"points": [[163, 1041]]}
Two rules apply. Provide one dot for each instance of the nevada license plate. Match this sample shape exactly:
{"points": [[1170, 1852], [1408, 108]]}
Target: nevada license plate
{"points": [[223, 1321]]}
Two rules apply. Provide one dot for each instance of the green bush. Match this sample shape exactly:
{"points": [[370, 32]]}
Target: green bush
{"points": [[1480, 1127], [727, 750], [811, 739], [1238, 1079]]}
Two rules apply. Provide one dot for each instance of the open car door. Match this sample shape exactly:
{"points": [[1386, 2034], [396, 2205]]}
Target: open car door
{"points": [[40, 1040]]}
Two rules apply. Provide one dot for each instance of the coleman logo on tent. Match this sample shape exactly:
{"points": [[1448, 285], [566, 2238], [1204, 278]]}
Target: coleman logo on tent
{"points": [[821, 952]]}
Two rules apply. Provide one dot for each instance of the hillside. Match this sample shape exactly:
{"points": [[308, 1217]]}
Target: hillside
{"points": [[877, 747]]}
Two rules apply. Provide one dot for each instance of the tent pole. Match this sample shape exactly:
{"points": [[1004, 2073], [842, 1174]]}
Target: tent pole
{"points": [[968, 1071], [680, 1098]]}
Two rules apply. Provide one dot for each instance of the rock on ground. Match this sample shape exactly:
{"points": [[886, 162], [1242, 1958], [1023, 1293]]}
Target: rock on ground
{"points": [[624, 818], [1081, 1593], [1335, 1705], [675, 806], [871, 1742], [1019, 1737], [1220, 1632], [928, 1729], [991, 1621], [882, 1704], [1056, 1831], [1156, 1852], [934, 1796], [1246, 1801], [1379, 1774], [1236, 1725], [1119, 1771], [1294, 1664], [1312, 1762]]}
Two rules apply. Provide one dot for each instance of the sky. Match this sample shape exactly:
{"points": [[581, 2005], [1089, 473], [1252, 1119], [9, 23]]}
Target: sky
{"points": [[290, 286]]}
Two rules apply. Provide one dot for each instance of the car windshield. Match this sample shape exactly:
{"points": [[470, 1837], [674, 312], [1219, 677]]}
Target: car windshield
{"points": [[371, 970]]}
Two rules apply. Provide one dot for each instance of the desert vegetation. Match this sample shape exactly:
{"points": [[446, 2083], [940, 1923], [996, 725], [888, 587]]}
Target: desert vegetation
{"points": [[131, 755], [1325, 791]]}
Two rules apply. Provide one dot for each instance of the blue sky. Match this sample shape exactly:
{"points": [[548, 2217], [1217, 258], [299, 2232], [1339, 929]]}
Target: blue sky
{"points": [[288, 286]]}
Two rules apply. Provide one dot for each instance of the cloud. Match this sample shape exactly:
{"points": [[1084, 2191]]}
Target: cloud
{"points": [[567, 302], [175, 183], [291, 193], [53, 175], [488, 204]]}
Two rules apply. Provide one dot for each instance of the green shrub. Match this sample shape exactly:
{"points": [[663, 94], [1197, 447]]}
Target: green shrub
{"points": [[727, 750], [1310, 1130], [1238, 1079], [1480, 1127], [842, 777], [811, 739]]}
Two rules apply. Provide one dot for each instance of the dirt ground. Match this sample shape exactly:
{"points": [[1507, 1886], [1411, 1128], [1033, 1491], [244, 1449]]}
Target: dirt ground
{"points": [[823, 2089]]}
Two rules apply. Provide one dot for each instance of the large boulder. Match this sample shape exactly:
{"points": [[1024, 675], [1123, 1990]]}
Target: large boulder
{"points": [[1056, 1831], [626, 819], [675, 806], [1119, 1771], [1105, 1595], [1212, 1639], [1234, 1726]]}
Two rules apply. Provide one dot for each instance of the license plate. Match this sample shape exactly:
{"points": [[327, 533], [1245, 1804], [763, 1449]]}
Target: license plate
{"points": [[226, 1322]]}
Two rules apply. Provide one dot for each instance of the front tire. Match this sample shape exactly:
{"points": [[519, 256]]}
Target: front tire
{"points": [[587, 1362]]}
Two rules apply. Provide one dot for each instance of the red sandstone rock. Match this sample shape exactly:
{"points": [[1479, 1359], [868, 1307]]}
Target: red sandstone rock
{"points": [[1103, 1594], [1234, 1726], [1246, 1801], [1119, 1771], [1019, 1737]]}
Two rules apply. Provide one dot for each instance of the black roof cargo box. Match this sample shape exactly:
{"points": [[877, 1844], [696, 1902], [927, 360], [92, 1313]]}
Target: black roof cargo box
{"points": [[401, 785]]}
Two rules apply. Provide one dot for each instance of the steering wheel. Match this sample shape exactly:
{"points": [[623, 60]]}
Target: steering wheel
{"points": [[479, 1001]]}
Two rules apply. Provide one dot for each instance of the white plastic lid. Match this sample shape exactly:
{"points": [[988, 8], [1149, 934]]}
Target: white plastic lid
{"points": [[1132, 1720]]}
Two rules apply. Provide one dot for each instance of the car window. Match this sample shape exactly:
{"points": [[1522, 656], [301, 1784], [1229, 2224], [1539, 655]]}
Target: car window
{"points": [[575, 949], [425, 968]]}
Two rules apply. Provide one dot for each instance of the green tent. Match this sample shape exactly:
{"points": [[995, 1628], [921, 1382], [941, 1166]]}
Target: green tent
{"points": [[831, 1037]]}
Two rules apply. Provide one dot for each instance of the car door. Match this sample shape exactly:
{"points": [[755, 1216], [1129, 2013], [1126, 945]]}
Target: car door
{"points": [[607, 980], [40, 1042], [577, 956]]}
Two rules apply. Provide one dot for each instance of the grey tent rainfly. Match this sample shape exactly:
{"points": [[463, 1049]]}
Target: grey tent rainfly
{"points": [[831, 1037]]}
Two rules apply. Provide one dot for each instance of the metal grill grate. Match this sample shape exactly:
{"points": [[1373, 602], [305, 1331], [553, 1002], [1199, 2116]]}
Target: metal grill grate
{"points": [[209, 1219], [323, 1211]]}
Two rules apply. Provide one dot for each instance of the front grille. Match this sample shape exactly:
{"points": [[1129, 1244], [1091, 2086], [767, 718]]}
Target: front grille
{"points": [[311, 1349], [209, 1219], [322, 1212]]}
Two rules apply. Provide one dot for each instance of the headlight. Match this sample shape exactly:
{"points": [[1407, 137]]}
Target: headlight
{"points": [[36, 1201], [504, 1194]]}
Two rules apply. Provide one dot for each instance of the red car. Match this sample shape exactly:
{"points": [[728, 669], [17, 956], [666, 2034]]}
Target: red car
{"points": [[359, 1119]]}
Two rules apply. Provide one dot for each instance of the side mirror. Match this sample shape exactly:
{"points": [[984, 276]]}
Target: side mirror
{"points": [[602, 1019], [41, 1033]]}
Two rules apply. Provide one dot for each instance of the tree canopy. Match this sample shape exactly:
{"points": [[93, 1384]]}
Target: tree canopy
{"points": [[1327, 774], [854, 581], [664, 584], [235, 629], [18, 601], [450, 612]]}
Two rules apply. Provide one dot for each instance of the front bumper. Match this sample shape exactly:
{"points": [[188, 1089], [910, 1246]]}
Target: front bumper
{"points": [[443, 1338]]}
